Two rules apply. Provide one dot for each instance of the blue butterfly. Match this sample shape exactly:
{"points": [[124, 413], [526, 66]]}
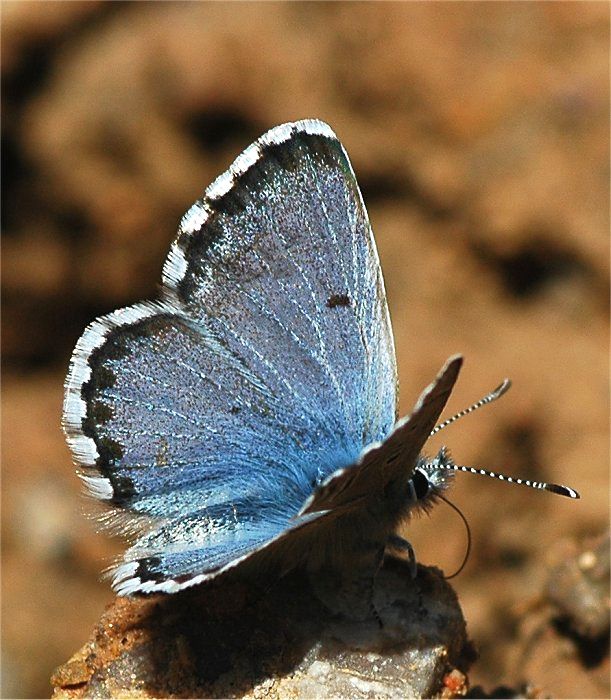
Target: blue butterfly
{"points": [[251, 410]]}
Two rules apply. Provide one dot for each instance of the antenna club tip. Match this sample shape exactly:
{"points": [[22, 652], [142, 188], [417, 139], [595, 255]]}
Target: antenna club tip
{"points": [[563, 490], [503, 388]]}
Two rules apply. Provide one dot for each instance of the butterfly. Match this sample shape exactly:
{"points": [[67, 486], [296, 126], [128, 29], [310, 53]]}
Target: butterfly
{"points": [[252, 408]]}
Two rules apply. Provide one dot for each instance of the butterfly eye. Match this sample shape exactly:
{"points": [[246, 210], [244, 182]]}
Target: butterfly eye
{"points": [[421, 484]]}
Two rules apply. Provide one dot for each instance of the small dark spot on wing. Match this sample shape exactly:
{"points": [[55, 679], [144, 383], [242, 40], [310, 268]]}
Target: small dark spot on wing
{"points": [[122, 486], [161, 458], [100, 412], [338, 300], [149, 569], [109, 450]]}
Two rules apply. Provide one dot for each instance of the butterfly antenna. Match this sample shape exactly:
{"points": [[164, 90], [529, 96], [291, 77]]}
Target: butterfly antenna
{"points": [[466, 524], [489, 398], [541, 485]]}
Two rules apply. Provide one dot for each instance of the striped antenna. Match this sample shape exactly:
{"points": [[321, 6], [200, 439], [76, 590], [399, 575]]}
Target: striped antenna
{"points": [[554, 488], [489, 398]]}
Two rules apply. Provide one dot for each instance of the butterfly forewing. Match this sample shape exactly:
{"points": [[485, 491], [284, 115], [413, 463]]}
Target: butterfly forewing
{"points": [[278, 259]]}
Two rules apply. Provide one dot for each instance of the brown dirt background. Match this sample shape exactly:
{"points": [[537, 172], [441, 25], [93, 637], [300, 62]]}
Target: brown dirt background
{"points": [[480, 136]]}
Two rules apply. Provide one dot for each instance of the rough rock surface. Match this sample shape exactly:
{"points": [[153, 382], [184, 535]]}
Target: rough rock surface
{"points": [[214, 642]]}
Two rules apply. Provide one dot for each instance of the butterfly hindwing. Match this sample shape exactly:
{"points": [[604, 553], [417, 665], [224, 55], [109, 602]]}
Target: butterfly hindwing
{"points": [[165, 432], [160, 562]]}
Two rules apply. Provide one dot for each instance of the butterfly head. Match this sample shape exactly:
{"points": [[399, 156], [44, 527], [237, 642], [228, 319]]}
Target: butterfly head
{"points": [[430, 479]]}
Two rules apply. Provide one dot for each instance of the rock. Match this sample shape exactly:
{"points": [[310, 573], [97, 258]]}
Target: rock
{"points": [[227, 639], [579, 588]]}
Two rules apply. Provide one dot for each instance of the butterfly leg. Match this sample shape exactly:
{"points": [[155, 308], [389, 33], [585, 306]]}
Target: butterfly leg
{"points": [[398, 543], [373, 609]]}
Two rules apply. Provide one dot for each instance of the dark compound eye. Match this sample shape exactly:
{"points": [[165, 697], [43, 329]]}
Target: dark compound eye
{"points": [[421, 484]]}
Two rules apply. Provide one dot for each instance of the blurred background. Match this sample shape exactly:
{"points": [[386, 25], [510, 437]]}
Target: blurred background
{"points": [[480, 137]]}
